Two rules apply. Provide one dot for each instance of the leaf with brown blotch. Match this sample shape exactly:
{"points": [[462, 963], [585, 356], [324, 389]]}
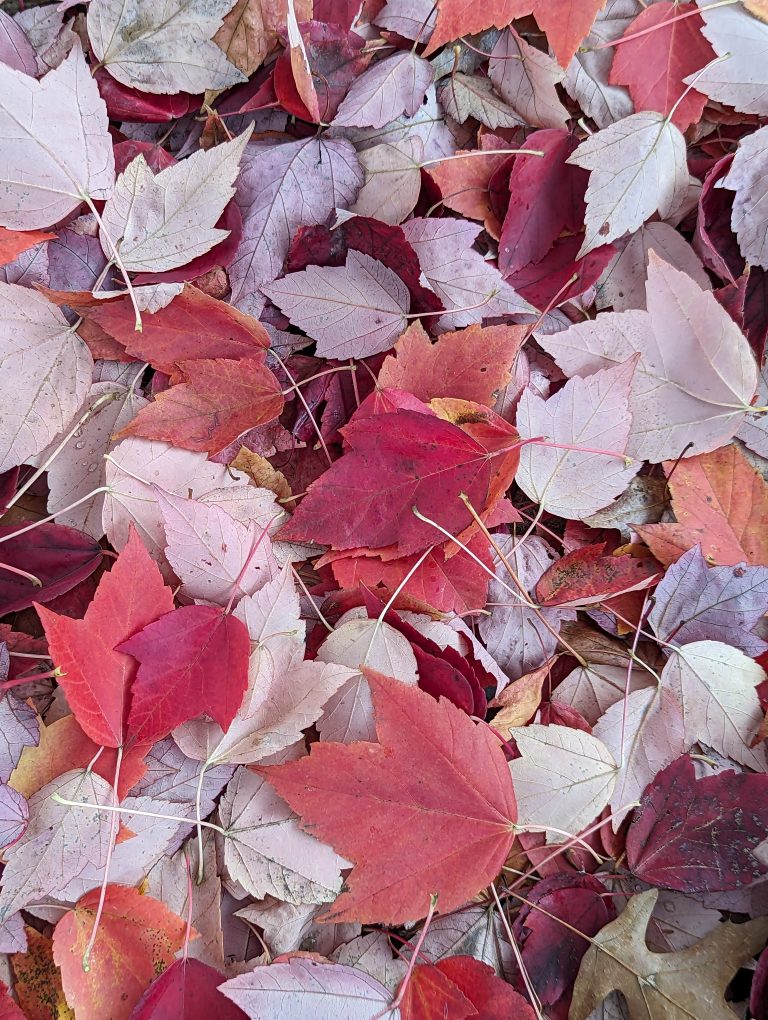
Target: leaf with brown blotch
{"points": [[663, 986], [428, 810]]}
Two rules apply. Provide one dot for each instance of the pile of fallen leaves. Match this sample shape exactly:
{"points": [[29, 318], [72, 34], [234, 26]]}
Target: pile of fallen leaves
{"points": [[384, 538]]}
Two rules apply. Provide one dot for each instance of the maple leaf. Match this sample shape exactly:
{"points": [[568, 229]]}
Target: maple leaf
{"points": [[46, 375], [56, 176], [218, 401], [172, 50], [526, 78], [96, 678], [697, 835], [430, 809], [471, 364], [14, 242], [391, 87], [186, 987], [191, 660], [655, 66], [588, 575], [721, 504], [663, 986], [491, 997], [456, 18], [466, 96], [398, 461], [137, 937], [739, 80]]}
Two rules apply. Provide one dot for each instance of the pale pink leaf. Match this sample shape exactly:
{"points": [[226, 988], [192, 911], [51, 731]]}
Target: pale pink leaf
{"points": [[55, 146], [163, 221], [216, 558], [412, 19], [302, 988], [372, 954], [470, 288], [563, 779], [638, 168], [475, 931], [741, 80], [519, 637], [715, 686], [136, 465], [392, 180], [754, 429], [19, 728], [590, 412], [393, 86], [586, 78], [81, 467], [593, 689], [747, 177], [622, 284], [696, 375], [465, 95], [280, 188], [358, 641], [16, 51], [267, 852], [162, 48], [14, 815], [354, 310], [526, 77], [46, 373], [59, 843], [644, 733]]}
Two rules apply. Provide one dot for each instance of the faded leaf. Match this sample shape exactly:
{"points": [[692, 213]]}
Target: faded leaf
{"points": [[740, 81], [465, 96], [393, 86], [526, 78]]}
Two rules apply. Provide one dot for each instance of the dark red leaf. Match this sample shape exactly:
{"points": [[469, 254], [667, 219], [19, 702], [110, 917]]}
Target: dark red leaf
{"points": [[188, 990], [58, 556]]}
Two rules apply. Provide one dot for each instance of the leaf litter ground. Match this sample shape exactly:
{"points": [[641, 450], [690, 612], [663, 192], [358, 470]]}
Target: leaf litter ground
{"points": [[383, 565]]}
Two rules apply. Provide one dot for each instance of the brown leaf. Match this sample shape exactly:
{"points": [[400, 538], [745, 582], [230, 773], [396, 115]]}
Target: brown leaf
{"points": [[663, 986]]}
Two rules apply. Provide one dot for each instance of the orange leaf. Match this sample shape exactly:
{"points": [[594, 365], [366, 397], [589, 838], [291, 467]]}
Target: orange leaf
{"points": [[38, 981], [720, 502], [138, 938], [14, 242]]}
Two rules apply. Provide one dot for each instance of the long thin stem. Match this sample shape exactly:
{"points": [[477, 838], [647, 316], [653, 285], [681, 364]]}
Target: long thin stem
{"points": [[535, 1001], [22, 573], [304, 403], [655, 28], [199, 822], [403, 986], [481, 152], [393, 597], [134, 811], [105, 881], [51, 517], [117, 259]]}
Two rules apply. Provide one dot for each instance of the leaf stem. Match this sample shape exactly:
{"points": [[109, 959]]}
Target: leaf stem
{"points": [[105, 881], [117, 258], [51, 517], [655, 28], [135, 811]]}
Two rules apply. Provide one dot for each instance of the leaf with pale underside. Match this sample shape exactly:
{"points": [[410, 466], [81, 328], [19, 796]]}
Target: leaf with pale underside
{"points": [[586, 412], [696, 375], [163, 221], [663, 986], [214, 556], [644, 733], [348, 714], [563, 780], [163, 47], [267, 852], [526, 78], [392, 180], [55, 147], [60, 842], [747, 177], [638, 167], [45, 373], [470, 288], [302, 988], [741, 80], [586, 79], [464, 96], [715, 685], [394, 86], [354, 310], [696, 602], [280, 188]]}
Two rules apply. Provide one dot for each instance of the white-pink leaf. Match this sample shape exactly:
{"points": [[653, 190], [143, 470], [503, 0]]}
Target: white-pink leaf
{"points": [[163, 221], [394, 86], [392, 180], [55, 146], [46, 373], [412, 19], [280, 188], [304, 988], [741, 80], [747, 177], [353, 310], [696, 375], [216, 558], [644, 735], [19, 728], [526, 77], [470, 288], [587, 412], [14, 815], [162, 48], [638, 167], [266, 850], [466, 95], [16, 50]]}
